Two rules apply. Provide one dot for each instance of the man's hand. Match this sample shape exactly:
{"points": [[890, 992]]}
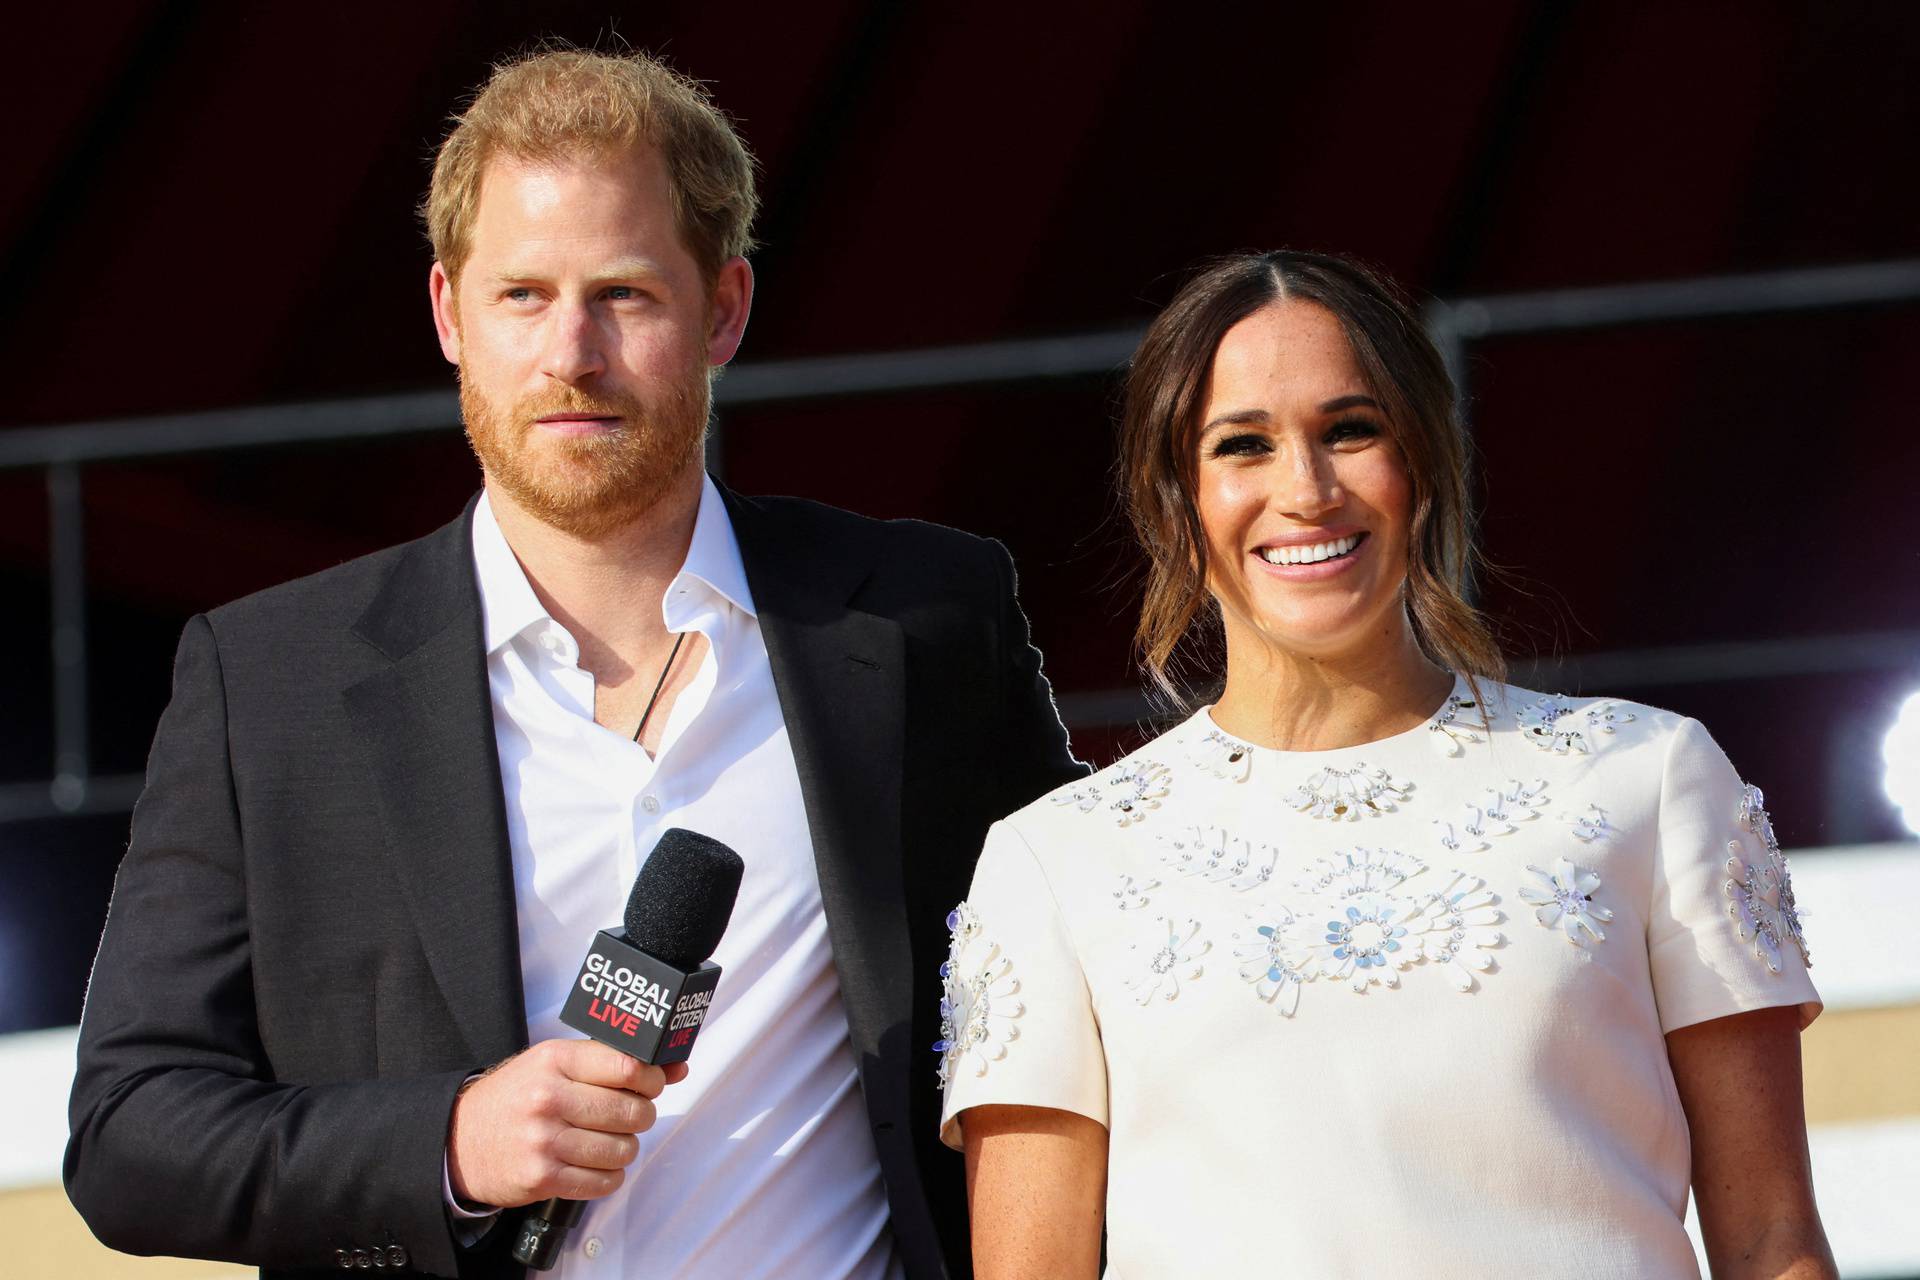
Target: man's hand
{"points": [[557, 1119]]}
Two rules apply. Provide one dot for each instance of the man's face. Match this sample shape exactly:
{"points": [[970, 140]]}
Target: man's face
{"points": [[583, 330]]}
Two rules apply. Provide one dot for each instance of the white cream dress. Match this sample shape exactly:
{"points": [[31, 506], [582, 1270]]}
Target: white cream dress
{"points": [[1394, 1009]]}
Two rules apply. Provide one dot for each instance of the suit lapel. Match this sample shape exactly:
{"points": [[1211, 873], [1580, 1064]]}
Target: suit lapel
{"points": [[426, 722], [841, 678]]}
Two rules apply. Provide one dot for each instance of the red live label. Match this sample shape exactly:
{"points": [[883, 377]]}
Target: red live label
{"points": [[624, 1023]]}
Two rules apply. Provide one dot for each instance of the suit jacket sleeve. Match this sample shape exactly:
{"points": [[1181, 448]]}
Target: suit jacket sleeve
{"points": [[1038, 756], [183, 1139]]}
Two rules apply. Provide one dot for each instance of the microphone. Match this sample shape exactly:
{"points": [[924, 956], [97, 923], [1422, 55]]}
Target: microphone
{"points": [[645, 989]]}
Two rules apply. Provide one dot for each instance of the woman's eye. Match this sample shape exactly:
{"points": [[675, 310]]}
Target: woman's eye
{"points": [[1352, 429], [1239, 446]]}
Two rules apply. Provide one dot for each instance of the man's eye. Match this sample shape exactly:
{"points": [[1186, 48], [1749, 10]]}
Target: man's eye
{"points": [[519, 295], [623, 293]]}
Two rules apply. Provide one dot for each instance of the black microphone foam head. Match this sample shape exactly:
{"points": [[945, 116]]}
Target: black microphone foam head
{"points": [[683, 897]]}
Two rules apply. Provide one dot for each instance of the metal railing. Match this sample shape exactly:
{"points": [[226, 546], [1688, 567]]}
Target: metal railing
{"points": [[63, 451]]}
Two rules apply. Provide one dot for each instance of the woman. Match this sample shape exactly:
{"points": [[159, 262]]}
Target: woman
{"points": [[1377, 962]]}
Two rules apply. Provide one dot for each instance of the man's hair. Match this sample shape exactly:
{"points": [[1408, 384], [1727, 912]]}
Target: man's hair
{"points": [[569, 104]]}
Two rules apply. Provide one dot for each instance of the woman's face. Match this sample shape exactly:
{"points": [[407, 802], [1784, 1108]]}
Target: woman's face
{"points": [[1303, 496]]}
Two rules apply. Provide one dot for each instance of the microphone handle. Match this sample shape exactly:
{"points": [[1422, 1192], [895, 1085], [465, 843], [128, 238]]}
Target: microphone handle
{"points": [[543, 1232]]}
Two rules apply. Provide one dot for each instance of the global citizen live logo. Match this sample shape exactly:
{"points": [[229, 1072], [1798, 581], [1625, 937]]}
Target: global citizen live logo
{"points": [[627, 1001]]}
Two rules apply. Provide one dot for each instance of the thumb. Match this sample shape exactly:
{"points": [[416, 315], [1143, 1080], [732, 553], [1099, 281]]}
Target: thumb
{"points": [[676, 1072]]}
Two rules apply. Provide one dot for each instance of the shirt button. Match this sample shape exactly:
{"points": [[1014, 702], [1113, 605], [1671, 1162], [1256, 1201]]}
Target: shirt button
{"points": [[650, 804], [592, 1247], [550, 642]]}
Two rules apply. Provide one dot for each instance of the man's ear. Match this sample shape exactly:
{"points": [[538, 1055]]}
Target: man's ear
{"points": [[732, 300], [446, 312]]}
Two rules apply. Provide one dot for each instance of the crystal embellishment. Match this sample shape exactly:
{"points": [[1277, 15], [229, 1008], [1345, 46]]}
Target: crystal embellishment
{"points": [[1222, 756], [1563, 899], [1496, 815], [1175, 959], [1554, 725], [1217, 856], [978, 1011], [1129, 791], [1133, 894], [1348, 794], [1457, 725], [1760, 892], [1272, 961]]}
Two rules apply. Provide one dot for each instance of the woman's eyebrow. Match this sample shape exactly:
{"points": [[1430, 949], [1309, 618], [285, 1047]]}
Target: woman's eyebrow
{"points": [[1236, 418], [1349, 402]]}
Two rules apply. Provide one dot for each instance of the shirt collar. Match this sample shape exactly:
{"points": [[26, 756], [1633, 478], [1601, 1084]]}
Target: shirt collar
{"points": [[507, 603], [713, 556], [509, 607]]}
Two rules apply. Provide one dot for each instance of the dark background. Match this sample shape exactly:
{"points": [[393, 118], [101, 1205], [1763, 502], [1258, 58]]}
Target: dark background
{"points": [[211, 207]]}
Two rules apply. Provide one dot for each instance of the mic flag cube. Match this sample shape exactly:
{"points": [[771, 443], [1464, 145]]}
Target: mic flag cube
{"points": [[638, 1004]]}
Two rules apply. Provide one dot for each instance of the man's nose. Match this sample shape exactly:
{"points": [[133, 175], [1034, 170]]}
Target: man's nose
{"points": [[575, 347]]}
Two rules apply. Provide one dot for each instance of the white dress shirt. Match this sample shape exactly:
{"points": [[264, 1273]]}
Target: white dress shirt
{"points": [[761, 1162]]}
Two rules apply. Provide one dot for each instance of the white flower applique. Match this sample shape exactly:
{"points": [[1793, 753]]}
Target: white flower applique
{"points": [[1361, 919], [1592, 826], [1497, 814], [1553, 725], [1129, 790], [1761, 892], [978, 1011], [1563, 899], [1456, 930], [1221, 756], [1457, 725], [1347, 794], [1273, 960], [1218, 856], [1176, 958], [1132, 894]]}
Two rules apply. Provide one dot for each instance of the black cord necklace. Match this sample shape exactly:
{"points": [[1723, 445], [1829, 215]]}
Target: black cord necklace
{"points": [[658, 686]]}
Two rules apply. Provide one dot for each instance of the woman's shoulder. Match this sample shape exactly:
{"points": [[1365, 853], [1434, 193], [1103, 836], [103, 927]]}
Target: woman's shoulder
{"points": [[1584, 726], [1112, 798]]}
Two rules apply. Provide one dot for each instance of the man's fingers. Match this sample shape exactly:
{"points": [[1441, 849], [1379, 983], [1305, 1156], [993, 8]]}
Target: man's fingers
{"points": [[576, 1183], [584, 1149], [675, 1072], [591, 1062], [604, 1110]]}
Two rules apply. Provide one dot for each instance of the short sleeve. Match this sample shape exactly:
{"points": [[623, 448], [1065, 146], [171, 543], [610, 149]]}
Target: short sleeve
{"points": [[1016, 1021], [1723, 934]]}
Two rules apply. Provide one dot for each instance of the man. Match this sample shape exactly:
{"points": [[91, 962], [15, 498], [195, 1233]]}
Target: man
{"points": [[389, 804]]}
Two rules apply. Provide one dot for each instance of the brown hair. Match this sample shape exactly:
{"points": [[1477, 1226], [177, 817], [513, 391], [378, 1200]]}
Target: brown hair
{"points": [[567, 103], [1165, 389]]}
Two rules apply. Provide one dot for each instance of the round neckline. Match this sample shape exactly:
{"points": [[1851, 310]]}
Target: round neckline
{"points": [[1460, 688]]}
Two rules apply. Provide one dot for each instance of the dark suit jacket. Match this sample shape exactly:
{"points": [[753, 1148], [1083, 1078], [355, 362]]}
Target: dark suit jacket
{"points": [[312, 939]]}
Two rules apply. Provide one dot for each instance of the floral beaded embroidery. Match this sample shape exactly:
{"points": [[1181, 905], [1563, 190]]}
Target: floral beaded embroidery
{"points": [[1346, 794], [1129, 790], [1762, 904], [1552, 724], [1495, 815], [1272, 961], [1372, 927], [1452, 729], [1177, 958], [1132, 894], [1563, 899], [1218, 856], [1222, 756], [1592, 826], [977, 1011]]}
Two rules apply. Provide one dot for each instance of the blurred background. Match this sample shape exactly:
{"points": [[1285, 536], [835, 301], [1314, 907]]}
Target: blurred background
{"points": [[1672, 250]]}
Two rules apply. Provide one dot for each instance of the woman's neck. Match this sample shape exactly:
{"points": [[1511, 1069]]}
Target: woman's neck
{"points": [[1294, 702]]}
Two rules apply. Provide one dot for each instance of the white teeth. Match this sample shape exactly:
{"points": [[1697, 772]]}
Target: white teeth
{"points": [[1312, 554]]}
